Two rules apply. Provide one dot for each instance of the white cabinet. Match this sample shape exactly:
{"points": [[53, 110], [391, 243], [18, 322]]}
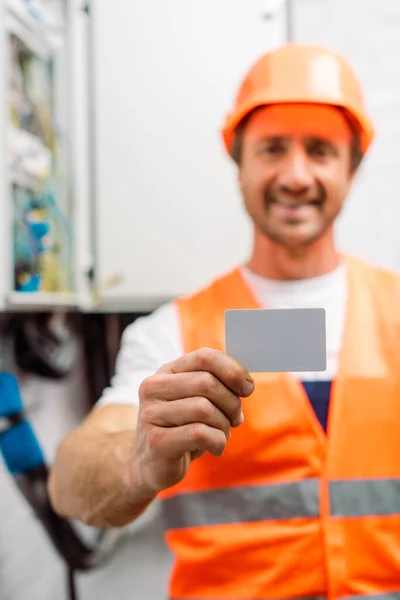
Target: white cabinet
{"points": [[168, 214]]}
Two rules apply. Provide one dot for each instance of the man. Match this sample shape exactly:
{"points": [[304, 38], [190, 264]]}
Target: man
{"points": [[281, 485]]}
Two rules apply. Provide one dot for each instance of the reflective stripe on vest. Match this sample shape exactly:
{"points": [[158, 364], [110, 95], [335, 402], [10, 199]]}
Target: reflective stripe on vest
{"points": [[281, 501], [365, 497], [385, 596], [243, 504]]}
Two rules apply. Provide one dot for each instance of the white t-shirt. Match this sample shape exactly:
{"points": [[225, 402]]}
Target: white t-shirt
{"points": [[151, 341]]}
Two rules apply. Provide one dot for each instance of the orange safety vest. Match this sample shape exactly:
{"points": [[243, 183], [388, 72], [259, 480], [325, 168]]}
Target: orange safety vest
{"points": [[288, 512]]}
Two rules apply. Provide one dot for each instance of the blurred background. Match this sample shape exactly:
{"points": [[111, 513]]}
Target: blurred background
{"points": [[116, 193]]}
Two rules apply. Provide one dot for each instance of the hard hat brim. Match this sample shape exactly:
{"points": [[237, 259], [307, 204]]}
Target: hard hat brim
{"points": [[233, 120]]}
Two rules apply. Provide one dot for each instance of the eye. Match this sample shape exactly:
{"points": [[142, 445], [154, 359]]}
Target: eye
{"points": [[319, 148], [272, 147]]}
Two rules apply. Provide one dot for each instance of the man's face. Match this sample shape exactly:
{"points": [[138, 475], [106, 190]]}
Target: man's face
{"points": [[295, 171]]}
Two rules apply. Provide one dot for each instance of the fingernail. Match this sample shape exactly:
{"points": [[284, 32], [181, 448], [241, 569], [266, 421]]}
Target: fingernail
{"points": [[248, 387], [239, 420]]}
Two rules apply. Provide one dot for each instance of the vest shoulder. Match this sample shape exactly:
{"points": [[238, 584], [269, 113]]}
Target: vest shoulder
{"points": [[384, 275], [382, 283]]}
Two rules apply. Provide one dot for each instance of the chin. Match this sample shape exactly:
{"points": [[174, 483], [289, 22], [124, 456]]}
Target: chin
{"points": [[295, 240]]}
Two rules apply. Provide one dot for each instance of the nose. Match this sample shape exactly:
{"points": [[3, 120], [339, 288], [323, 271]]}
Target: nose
{"points": [[295, 175]]}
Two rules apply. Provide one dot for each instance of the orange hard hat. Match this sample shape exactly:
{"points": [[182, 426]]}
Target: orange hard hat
{"points": [[298, 73]]}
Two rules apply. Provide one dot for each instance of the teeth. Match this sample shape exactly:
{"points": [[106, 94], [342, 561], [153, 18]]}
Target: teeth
{"points": [[295, 204]]}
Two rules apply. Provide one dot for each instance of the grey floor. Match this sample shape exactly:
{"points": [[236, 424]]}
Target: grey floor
{"points": [[138, 570]]}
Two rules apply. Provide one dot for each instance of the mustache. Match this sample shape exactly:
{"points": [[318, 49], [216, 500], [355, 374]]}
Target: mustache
{"points": [[273, 193]]}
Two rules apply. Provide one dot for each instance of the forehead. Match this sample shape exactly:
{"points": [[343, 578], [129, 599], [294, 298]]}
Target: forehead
{"points": [[306, 120]]}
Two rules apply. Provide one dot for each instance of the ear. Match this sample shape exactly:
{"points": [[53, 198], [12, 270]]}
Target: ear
{"points": [[353, 174], [240, 177], [350, 180]]}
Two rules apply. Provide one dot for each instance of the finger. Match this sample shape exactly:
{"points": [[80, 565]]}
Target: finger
{"points": [[174, 442], [232, 374], [186, 411], [191, 385]]}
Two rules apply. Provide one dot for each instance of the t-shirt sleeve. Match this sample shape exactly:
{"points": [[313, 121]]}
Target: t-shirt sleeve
{"points": [[146, 344]]}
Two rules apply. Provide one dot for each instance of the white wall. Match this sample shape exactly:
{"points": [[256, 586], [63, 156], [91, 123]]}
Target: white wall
{"points": [[367, 32]]}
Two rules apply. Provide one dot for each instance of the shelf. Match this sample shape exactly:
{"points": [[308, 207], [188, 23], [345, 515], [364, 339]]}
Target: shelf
{"points": [[129, 304], [50, 18], [36, 301], [28, 151], [39, 19], [37, 14], [24, 180]]}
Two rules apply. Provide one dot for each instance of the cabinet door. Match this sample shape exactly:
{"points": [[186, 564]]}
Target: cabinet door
{"points": [[168, 211]]}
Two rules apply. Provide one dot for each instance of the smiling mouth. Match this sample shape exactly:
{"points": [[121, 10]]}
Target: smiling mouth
{"points": [[296, 204]]}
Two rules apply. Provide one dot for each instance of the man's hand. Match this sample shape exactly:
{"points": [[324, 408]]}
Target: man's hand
{"points": [[186, 409]]}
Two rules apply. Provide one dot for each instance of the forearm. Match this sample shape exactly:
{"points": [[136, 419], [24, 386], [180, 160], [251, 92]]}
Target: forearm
{"points": [[92, 479]]}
